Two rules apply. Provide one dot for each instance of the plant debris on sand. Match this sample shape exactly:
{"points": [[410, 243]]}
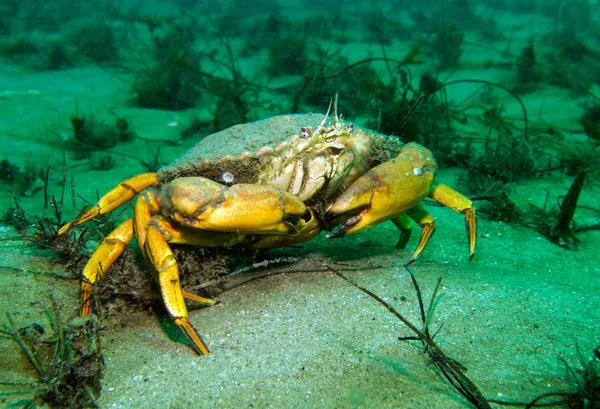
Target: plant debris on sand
{"points": [[68, 361]]}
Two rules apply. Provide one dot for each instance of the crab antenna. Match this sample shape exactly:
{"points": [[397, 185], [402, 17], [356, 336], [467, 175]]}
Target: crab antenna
{"points": [[322, 124], [335, 115]]}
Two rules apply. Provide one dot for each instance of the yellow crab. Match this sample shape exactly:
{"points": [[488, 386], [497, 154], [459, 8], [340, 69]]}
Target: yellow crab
{"points": [[318, 179]]}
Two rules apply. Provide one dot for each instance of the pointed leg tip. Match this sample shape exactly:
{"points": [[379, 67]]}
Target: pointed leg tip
{"points": [[200, 350], [64, 229], [192, 336]]}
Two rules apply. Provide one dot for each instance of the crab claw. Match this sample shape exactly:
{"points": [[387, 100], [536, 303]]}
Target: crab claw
{"points": [[243, 208], [384, 192]]}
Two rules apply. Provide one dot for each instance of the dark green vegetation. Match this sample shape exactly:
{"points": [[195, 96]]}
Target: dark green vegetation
{"points": [[67, 359], [451, 369], [40, 229], [20, 182], [586, 378], [93, 135], [557, 223]]}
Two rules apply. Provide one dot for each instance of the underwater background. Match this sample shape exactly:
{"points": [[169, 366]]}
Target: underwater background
{"points": [[505, 93]]}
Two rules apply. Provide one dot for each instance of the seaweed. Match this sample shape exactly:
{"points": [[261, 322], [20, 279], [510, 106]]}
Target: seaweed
{"points": [[40, 55], [230, 111], [572, 63], [289, 54], [102, 162], [590, 120], [153, 161], [94, 40], [130, 289], [420, 116], [41, 231], [59, 58], [366, 93], [18, 48], [498, 205], [172, 84], [173, 79], [528, 72], [232, 106], [453, 371], [575, 157], [557, 223], [586, 379], [91, 134], [377, 27], [68, 361], [265, 33], [506, 158], [446, 46], [20, 182]]}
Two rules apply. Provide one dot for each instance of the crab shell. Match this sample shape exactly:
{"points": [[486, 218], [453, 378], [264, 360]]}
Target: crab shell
{"points": [[291, 152]]}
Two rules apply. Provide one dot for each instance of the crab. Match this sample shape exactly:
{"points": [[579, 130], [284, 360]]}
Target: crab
{"points": [[333, 177]]}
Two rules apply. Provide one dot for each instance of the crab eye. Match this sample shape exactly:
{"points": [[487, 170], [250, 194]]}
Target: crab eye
{"points": [[350, 127], [304, 132]]}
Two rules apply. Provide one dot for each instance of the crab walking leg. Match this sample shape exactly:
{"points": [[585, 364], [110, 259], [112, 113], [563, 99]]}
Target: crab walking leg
{"points": [[451, 198], [145, 207], [103, 257], [427, 223], [159, 253], [404, 224], [117, 196]]}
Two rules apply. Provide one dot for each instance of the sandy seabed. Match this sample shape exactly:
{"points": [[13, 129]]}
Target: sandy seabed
{"points": [[302, 337]]}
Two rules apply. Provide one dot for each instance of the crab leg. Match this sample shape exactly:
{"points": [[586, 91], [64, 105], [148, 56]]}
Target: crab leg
{"points": [[145, 213], [103, 257], [117, 196], [403, 223], [427, 223], [451, 198], [160, 255], [145, 207]]}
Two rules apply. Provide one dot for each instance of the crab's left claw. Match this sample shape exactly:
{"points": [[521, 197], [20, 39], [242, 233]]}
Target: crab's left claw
{"points": [[385, 191], [393, 191]]}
